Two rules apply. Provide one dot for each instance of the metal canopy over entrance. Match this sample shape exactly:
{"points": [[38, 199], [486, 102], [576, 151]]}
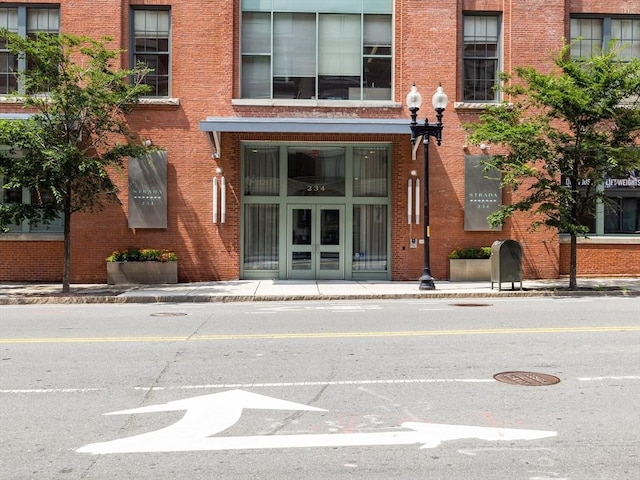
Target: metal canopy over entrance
{"points": [[312, 209]]}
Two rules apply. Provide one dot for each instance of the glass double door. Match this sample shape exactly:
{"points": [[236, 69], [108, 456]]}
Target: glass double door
{"points": [[315, 245]]}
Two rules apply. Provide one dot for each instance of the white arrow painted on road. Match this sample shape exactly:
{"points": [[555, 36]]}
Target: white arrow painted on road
{"points": [[210, 414]]}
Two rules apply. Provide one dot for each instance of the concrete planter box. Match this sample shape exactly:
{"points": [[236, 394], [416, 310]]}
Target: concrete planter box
{"points": [[149, 273], [469, 269]]}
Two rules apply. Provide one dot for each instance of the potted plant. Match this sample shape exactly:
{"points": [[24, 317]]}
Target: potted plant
{"points": [[142, 266], [470, 264]]}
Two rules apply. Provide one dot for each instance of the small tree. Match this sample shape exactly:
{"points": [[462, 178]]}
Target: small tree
{"points": [[564, 134], [79, 101]]}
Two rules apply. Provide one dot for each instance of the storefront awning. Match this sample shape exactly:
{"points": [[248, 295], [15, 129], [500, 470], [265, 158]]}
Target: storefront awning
{"points": [[212, 126], [305, 125]]}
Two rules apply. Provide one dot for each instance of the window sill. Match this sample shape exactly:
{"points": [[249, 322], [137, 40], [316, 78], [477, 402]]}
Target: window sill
{"points": [[158, 102], [145, 101], [630, 239], [476, 106], [32, 237], [253, 102]]}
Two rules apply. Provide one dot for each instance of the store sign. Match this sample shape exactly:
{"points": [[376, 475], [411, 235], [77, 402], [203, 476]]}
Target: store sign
{"points": [[482, 194], [632, 181], [148, 191]]}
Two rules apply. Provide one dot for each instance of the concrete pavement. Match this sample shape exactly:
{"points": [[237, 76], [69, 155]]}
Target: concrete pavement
{"points": [[281, 290]]}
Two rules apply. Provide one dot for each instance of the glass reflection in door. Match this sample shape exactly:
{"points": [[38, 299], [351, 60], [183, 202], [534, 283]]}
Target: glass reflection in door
{"points": [[301, 239]]}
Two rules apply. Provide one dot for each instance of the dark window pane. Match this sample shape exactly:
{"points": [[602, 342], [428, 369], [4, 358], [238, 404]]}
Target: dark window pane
{"points": [[333, 87]]}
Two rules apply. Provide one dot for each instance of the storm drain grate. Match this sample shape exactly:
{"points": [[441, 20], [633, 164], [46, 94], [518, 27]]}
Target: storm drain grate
{"points": [[527, 379], [169, 314]]}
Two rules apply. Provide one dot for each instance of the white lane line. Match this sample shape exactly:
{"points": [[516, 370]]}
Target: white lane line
{"points": [[614, 377], [322, 384], [54, 390], [303, 384]]}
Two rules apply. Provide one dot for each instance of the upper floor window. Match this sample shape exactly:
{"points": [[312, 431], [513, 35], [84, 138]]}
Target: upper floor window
{"points": [[481, 58], [590, 35], [297, 52], [150, 46], [25, 21]]}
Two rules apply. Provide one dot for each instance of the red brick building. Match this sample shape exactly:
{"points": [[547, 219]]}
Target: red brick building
{"points": [[286, 136]]}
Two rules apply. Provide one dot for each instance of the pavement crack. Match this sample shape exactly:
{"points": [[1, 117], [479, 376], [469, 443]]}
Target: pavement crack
{"points": [[296, 415]]}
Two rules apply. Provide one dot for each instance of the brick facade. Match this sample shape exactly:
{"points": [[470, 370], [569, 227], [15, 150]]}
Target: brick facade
{"points": [[205, 79]]}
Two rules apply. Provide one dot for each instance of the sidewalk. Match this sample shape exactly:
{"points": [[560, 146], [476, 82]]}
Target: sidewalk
{"points": [[285, 290]]}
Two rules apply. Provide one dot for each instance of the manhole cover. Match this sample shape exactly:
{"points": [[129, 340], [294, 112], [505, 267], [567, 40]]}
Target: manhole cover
{"points": [[527, 379], [470, 304], [169, 314]]}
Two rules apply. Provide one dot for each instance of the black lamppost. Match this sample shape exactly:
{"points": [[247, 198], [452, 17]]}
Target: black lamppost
{"points": [[426, 130]]}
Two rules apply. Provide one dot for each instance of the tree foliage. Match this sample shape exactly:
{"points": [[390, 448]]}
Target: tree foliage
{"points": [[561, 136], [77, 99]]}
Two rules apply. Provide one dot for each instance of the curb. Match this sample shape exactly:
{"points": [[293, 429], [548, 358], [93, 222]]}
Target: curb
{"points": [[117, 299]]}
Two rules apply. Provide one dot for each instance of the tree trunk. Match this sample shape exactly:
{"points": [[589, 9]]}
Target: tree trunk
{"points": [[573, 263], [66, 270]]}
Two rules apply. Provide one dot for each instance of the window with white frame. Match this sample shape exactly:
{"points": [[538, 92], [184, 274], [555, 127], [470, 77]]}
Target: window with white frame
{"points": [[150, 46], [481, 57], [335, 50], [24, 21], [589, 35]]}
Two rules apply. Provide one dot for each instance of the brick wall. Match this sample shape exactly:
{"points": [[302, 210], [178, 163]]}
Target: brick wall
{"points": [[594, 259], [205, 72]]}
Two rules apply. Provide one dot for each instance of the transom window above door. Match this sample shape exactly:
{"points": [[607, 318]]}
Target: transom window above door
{"points": [[291, 51]]}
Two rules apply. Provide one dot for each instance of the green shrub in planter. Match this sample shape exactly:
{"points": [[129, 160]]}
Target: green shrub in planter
{"points": [[470, 253], [142, 255], [142, 266]]}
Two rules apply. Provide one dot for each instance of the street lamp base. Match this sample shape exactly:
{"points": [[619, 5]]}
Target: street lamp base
{"points": [[426, 282]]}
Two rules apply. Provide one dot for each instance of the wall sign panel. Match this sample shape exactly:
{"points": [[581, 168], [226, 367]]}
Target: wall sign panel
{"points": [[482, 194], [148, 191]]}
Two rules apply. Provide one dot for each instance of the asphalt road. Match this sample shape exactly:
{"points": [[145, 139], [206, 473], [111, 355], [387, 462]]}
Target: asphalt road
{"points": [[319, 390]]}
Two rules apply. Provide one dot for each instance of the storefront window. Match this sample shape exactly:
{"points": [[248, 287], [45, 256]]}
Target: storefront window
{"points": [[370, 170], [369, 237], [261, 167], [620, 213], [261, 237]]}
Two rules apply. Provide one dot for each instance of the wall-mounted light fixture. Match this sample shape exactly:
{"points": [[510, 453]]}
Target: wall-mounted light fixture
{"points": [[219, 197]]}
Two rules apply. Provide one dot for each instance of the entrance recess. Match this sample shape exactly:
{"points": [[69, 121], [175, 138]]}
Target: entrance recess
{"points": [[315, 244]]}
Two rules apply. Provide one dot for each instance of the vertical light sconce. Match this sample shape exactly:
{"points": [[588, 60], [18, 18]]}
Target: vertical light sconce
{"points": [[215, 200], [219, 198], [417, 201], [223, 200], [409, 200], [413, 199]]}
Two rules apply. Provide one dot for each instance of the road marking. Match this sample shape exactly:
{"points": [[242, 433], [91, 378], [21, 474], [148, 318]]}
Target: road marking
{"points": [[322, 384], [338, 383], [337, 308], [326, 335], [615, 377], [207, 415], [54, 390]]}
